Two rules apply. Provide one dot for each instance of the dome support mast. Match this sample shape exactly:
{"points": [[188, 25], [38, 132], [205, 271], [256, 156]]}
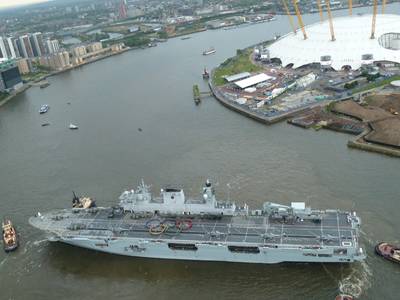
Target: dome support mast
{"points": [[328, 6], [374, 19], [321, 15], [299, 18], [289, 16]]}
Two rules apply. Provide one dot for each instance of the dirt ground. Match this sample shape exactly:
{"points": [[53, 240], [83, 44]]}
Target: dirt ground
{"points": [[385, 132], [389, 102], [367, 114]]}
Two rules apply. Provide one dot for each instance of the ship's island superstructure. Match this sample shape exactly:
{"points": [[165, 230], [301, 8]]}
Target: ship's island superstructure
{"points": [[173, 227]]}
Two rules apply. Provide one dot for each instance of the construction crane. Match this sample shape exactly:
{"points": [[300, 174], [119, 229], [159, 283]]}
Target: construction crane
{"points": [[374, 19], [299, 18], [289, 16], [350, 7], [383, 6], [321, 16], [328, 7]]}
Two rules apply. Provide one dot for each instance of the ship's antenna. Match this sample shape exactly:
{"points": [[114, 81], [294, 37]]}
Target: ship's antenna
{"points": [[229, 191]]}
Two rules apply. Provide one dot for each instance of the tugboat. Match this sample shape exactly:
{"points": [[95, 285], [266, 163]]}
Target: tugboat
{"points": [[10, 238], [388, 252], [44, 109], [209, 51], [206, 75]]}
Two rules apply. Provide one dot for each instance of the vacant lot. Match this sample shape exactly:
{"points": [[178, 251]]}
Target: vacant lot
{"points": [[366, 114], [385, 132]]}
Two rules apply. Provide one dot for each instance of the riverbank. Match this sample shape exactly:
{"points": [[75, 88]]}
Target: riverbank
{"points": [[15, 93], [37, 81]]}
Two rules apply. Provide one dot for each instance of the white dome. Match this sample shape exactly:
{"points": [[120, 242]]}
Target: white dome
{"points": [[352, 46]]}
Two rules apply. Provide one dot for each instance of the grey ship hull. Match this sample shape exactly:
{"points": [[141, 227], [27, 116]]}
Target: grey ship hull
{"points": [[245, 239]]}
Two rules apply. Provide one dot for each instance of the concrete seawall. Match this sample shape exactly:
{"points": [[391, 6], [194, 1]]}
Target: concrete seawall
{"points": [[366, 146]]}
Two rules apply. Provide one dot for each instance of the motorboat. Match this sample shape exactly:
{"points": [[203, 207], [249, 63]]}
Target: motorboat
{"points": [[209, 51], [44, 109], [73, 127], [10, 237], [388, 251]]}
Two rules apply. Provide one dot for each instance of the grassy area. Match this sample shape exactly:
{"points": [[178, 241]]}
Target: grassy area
{"points": [[376, 84], [34, 76], [238, 64]]}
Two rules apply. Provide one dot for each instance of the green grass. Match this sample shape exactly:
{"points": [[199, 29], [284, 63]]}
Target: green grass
{"points": [[34, 76], [234, 65], [377, 84]]}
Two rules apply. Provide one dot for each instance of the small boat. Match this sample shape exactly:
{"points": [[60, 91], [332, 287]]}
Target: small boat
{"points": [[45, 124], [206, 75], [73, 127], [388, 251], [186, 38], [44, 109], [209, 51], [10, 238], [44, 85], [344, 297]]}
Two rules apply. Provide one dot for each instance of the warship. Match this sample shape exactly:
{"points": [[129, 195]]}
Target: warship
{"points": [[205, 229]]}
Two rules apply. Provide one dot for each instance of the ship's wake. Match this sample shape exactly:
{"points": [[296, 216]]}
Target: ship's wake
{"points": [[357, 281]]}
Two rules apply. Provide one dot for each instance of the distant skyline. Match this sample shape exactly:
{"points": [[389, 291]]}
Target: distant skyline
{"points": [[12, 3]]}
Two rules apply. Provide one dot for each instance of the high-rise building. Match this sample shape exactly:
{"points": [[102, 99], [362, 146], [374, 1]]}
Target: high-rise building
{"points": [[26, 46], [94, 47], [23, 66], [17, 47], [53, 46], [36, 40], [10, 47], [10, 78], [3, 51], [56, 61], [79, 51]]}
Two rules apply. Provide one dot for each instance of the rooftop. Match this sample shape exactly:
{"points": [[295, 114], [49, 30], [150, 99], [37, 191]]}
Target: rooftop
{"points": [[353, 45], [253, 80]]}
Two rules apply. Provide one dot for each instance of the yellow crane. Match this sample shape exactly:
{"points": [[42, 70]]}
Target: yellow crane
{"points": [[350, 7], [299, 18], [374, 19], [328, 7], [383, 6], [289, 16], [321, 16]]}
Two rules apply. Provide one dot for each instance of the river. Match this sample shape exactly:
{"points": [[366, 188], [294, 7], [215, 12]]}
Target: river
{"points": [[180, 143]]}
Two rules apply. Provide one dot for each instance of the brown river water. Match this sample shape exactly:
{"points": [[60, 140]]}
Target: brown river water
{"points": [[180, 143]]}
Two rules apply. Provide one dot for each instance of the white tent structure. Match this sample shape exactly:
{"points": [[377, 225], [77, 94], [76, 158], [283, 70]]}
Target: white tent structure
{"points": [[352, 47], [253, 80]]}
